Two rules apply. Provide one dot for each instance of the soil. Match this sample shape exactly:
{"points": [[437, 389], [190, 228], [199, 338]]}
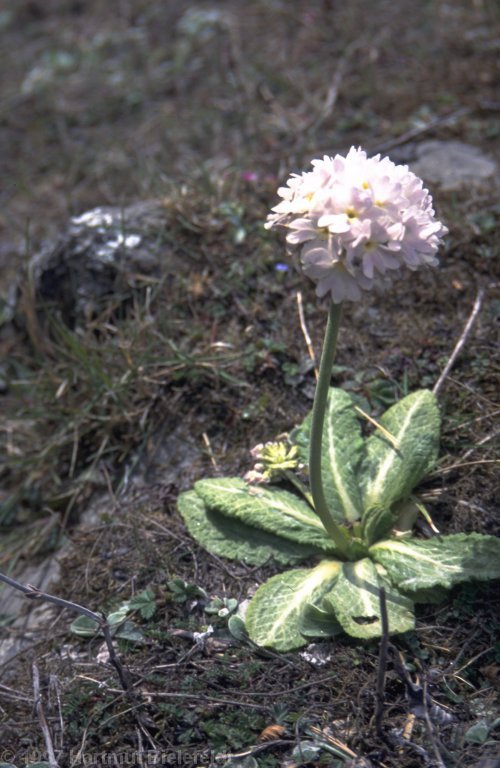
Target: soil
{"points": [[207, 109]]}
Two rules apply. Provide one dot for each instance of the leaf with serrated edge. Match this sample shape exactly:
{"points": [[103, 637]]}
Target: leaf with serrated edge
{"points": [[414, 564], [275, 614], [235, 540], [342, 452], [355, 601], [391, 473], [270, 509]]}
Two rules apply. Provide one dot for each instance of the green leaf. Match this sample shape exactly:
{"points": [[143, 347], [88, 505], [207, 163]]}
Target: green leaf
{"points": [[116, 617], [236, 626], [342, 454], [355, 601], [182, 591], [415, 564], [431, 596], [41, 764], [275, 614], [83, 626], [235, 540], [271, 509], [144, 602], [129, 631], [477, 733], [391, 473], [318, 623]]}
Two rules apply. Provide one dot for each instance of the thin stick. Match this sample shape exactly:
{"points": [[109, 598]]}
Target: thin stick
{"points": [[486, 439], [33, 593], [305, 333], [458, 465], [434, 739], [382, 429], [460, 343], [36, 594], [415, 132], [42, 719], [210, 452], [382, 661]]}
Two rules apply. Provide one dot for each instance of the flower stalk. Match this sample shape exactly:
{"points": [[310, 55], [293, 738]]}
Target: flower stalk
{"points": [[318, 418]]}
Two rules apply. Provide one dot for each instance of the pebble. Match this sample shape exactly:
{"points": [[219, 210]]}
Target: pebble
{"points": [[452, 165]]}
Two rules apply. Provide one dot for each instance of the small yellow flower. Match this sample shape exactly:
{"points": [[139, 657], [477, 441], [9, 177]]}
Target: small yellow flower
{"points": [[272, 459]]}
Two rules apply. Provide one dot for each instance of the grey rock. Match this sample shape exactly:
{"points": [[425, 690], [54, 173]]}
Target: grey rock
{"points": [[102, 255], [452, 164]]}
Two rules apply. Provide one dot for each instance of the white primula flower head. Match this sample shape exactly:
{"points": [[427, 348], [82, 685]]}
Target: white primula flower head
{"points": [[354, 219]]}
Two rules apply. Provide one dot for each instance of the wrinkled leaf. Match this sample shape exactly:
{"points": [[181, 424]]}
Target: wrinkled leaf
{"points": [[275, 614], [431, 596], [270, 509], [355, 601], [391, 473], [415, 564], [342, 453], [233, 539]]}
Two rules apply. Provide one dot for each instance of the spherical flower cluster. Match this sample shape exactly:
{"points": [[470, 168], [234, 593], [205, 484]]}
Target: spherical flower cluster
{"points": [[354, 219]]}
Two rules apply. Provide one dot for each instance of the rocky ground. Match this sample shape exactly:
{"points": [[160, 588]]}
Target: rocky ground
{"points": [[151, 335]]}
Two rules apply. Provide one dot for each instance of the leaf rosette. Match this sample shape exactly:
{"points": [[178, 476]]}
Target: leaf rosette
{"points": [[367, 483]]}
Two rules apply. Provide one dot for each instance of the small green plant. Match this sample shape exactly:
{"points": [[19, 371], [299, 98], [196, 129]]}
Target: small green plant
{"points": [[221, 606], [120, 625], [181, 591], [353, 219]]}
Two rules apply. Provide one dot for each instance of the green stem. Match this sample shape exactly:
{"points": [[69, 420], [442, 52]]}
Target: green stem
{"points": [[318, 418], [299, 485]]}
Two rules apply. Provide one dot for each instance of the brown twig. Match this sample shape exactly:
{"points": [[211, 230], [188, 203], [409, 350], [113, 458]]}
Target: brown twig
{"points": [[33, 593], [414, 133], [460, 343], [382, 662], [305, 333], [42, 719], [430, 729]]}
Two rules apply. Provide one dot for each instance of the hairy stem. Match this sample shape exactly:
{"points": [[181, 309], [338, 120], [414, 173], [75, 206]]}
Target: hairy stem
{"points": [[318, 418]]}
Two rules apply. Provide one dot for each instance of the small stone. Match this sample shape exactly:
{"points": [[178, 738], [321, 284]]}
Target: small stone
{"points": [[100, 257], [452, 164]]}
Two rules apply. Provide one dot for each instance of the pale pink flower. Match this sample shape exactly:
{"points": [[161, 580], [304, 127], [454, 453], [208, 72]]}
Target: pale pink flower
{"points": [[354, 219]]}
